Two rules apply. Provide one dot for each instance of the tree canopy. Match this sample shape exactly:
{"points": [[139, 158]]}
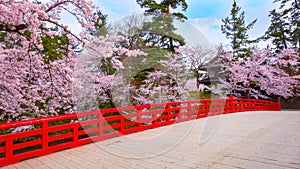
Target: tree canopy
{"points": [[235, 29], [161, 30], [284, 29], [163, 7]]}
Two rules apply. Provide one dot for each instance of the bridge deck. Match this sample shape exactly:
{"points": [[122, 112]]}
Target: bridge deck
{"points": [[241, 140]]}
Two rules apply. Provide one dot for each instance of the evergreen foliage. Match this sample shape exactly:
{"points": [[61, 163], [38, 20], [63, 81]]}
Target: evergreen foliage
{"points": [[235, 29]]}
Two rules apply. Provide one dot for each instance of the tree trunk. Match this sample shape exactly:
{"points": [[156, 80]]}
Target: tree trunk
{"points": [[111, 102], [170, 39], [197, 78]]}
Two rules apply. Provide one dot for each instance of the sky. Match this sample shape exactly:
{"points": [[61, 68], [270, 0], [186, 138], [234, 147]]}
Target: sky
{"points": [[205, 15]]}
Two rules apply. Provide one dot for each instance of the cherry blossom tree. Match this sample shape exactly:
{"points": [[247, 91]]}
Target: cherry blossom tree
{"points": [[36, 56], [196, 57], [96, 73], [165, 84], [261, 75]]}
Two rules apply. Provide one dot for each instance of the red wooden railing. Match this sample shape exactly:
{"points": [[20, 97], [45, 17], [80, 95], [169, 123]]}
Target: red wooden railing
{"points": [[56, 133]]}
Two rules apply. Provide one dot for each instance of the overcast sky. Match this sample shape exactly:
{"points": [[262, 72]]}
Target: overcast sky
{"points": [[205, 15]]}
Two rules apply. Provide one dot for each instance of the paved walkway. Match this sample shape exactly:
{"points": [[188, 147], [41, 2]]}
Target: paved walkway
{"points": [[242, 140]]}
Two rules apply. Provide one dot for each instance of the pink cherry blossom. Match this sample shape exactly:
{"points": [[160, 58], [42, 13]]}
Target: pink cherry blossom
{"points": [[29, 87], [261, 75]]}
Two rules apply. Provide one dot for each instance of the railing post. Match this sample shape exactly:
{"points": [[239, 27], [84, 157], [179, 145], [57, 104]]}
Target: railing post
{"points": [[199, 110], [249, 104], [241, 105], [75, 132], [245, 105], [255, 107], [221, 105], [139, 119], [206, 108], [168, 108], [226, 105], [154, 116], [8, 148], [45, 134], [231, 104], [190, 113], [121, 131], [100, 125]]}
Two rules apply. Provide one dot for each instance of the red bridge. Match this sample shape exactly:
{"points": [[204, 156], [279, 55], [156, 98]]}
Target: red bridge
{"points": [[52, 134]]}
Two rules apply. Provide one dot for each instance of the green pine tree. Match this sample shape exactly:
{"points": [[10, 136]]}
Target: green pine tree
{"points": [[164, 7], [284, 30], [278, 31], [100, 29], [235, 29], [161, 30]]}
